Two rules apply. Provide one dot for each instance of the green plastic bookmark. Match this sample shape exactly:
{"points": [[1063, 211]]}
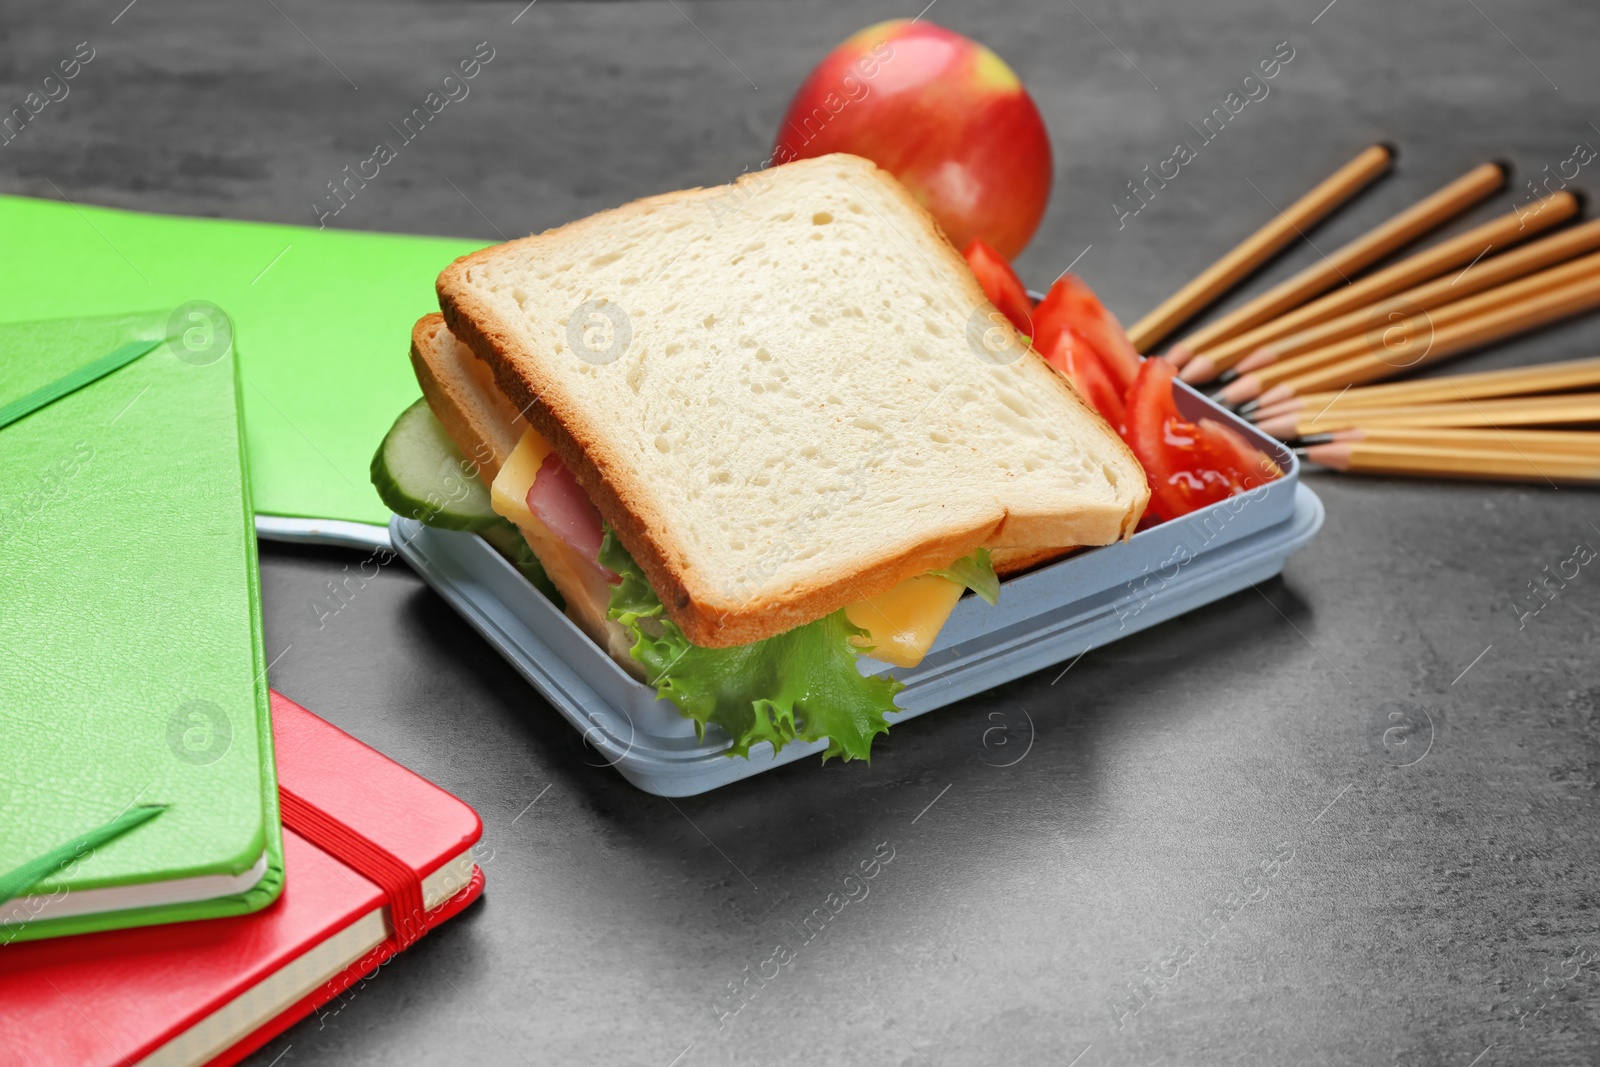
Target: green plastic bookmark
{"points": [[17, 881], [70, 383]]}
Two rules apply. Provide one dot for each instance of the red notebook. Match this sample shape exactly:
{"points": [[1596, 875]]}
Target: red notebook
{"points": [[374, 857]]}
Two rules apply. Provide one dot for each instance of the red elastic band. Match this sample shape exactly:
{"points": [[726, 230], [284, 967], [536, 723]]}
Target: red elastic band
{"points": [[400, 884]]}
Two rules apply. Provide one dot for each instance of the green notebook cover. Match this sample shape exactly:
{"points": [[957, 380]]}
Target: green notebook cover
{"points": [[133, 672], [324, 317]]}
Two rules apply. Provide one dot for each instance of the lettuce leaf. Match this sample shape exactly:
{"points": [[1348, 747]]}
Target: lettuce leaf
{"points": [[976, 572], [801, 685]]}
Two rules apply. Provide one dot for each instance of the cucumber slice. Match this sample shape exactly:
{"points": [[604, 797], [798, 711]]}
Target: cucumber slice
{"points": [[421, 474]]}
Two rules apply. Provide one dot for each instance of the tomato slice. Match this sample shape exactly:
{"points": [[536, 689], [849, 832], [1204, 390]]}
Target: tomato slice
{"points": [[1189, 465], [1001, 285], [1076, 358], [1225, 447], [1071, 304]]}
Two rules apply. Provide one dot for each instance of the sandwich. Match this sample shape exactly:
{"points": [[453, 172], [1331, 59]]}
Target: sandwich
{"points": [[752, 433]]}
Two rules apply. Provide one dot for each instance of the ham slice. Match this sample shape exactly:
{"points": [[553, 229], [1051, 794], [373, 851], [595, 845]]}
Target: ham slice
{"points": [[556, 499]]}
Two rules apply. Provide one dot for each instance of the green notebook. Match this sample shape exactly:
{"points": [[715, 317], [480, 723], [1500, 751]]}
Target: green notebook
{"points": [[324, 318], [133, 688]]}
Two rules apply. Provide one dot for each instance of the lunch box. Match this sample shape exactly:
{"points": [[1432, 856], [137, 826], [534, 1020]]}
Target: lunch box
{"points": [[1045, 616], [337, 532]]}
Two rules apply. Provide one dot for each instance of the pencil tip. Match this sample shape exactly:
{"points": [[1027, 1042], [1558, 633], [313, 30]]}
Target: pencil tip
{"points": [[1277, 394], [1227, 377], [1280, 426], [1198, 369], [1248, 408], [1307, 440]]}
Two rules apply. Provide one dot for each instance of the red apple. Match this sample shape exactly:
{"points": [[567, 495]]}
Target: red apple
{"points": [[940, 112]]}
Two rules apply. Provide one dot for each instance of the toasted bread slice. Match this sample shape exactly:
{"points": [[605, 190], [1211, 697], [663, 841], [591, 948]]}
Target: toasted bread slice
{"points": [[778, 395], [460, 389], [484, 425]]}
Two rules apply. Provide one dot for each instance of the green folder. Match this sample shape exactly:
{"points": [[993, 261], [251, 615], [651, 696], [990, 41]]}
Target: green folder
{"points": [[136, 771], [324, 319]]}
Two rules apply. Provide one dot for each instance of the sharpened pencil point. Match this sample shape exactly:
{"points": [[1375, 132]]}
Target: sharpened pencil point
{"points": [[1307, 440], [1248, 408], [1335, 456], [1277, 394], [1243, 391], [1281, 426], [1264, 356], [1228, 376], [1199, 369]]}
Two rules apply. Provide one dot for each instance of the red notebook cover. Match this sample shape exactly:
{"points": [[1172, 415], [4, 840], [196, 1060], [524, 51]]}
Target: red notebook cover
{"points": [[212, 992]]}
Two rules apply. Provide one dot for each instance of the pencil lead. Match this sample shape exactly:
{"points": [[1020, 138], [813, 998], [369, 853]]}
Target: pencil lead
{"points": [[1227, 377], [1307, 440], [1248, 408]]}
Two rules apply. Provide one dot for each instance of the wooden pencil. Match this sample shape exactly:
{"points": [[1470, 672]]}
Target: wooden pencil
{"points": [[1443, 342], [1486, 275], [1566, 409], [1360, 457], [1468, 248], [1470, 439], [1422, 217], [1410, 339], [1515, 381], [1260, 246]]}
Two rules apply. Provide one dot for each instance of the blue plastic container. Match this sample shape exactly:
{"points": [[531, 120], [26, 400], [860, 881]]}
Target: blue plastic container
{"points": [[1044, 617]]}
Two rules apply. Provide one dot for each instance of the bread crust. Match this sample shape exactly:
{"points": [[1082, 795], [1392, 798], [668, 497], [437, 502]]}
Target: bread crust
{"points": [[705, 619], [480, 443]]}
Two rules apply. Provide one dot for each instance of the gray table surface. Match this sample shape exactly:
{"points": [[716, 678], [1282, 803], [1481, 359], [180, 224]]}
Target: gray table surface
{"points": [[1442, 911]]}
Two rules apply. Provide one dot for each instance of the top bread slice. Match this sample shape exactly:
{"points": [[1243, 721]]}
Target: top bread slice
{"points": [[778, 395]]}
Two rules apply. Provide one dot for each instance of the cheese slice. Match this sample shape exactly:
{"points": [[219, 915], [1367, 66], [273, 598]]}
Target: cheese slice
{"points": [[508, 494], [902, 624]]}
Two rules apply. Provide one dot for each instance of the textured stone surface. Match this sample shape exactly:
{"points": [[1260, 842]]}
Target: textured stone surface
{"points": [[1423, 905]]}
